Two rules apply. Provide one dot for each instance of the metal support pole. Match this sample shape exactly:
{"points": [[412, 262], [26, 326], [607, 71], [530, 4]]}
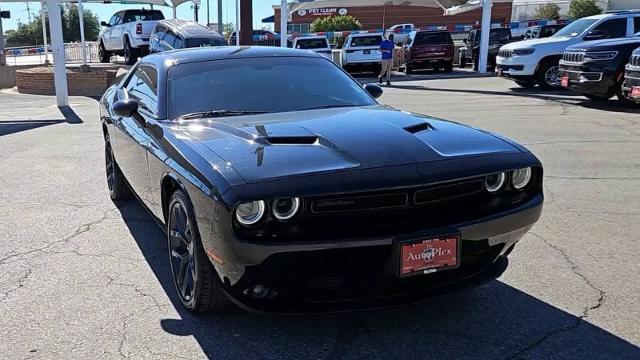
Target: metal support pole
{"points": [[484, 36], [208, 11], [82, 43], [57, 49], [195, 12], [3, 60], [44, 32], [220, 24], [284, 18], [174, 12], [237, 22]]}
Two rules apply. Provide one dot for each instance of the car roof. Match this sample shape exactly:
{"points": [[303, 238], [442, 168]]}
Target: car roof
{"points": [[311, 37], [188, 28], [192, 55]]}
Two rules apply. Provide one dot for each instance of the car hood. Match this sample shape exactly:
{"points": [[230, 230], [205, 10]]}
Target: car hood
{"points": [[272, 146], [534, 43], [607, 44]]}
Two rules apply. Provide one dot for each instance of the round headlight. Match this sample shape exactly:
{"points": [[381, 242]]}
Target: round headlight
{"points": [[285, 209], [521, 178], [493, 183], [250, 213]]}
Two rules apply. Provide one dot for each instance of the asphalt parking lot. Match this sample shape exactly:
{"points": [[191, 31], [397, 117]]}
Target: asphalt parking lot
{"points": [[82, 278]]}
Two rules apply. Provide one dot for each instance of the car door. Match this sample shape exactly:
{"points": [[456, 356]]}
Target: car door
{"points": [[108, 33], [133, 139], [118, 31]]}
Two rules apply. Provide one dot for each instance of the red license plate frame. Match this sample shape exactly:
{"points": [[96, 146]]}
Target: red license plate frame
{"points": [[564, 82], [428, 255], [635, 92]]}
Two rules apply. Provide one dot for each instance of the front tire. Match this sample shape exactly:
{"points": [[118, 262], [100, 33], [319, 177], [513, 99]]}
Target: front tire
{"points": [[118, 188], [103, 55], [548, 75], [194, 277]]}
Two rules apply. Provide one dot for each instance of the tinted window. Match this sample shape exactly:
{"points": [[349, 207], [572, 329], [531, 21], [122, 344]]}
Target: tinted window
{"points": [[205, 42], [170, 38], [143, 86], [160, 32], [179, 43], [261, 84], [113, 20], [636, 25], [374, 40], [312, 44], [143, 15], [615, 28], [575, 28], [432, 38]]}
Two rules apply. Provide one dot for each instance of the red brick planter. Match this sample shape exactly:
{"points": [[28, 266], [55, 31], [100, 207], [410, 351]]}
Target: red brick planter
{"points": [[39, 81]]}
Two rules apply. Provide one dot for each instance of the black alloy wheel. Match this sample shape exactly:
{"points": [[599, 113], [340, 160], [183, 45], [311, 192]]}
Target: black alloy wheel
{"points": [[117, 184], [103, 55], [193, 275], [130, 54]]}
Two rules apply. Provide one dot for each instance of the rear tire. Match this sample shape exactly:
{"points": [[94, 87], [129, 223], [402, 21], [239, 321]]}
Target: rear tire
{"points": [[462, 62], [408, 69], [130, 54], [117, 184], [448, 67], [548, 75], [103, 55], [195, 279]]}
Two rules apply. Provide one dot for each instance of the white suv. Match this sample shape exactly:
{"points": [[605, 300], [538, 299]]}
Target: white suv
{"points": [[362, 50], [535, 61]]}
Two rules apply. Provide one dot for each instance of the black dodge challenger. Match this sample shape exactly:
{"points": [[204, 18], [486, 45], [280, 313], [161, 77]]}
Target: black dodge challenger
{"points": [[285, 187]]}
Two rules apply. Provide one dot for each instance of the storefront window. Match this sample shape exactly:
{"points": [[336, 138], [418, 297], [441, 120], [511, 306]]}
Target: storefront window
{"points": [[298, 28]]}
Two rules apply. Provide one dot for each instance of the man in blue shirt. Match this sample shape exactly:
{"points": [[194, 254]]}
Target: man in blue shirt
{"points": [[386, 48]]}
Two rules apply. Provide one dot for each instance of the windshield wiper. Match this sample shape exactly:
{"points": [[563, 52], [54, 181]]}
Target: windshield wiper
{"points": [[330, 106], [219, 113]]}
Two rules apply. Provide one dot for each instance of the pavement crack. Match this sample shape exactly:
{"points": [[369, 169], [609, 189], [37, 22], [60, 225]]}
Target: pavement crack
{"points": [[578, 320], [21, 281]]}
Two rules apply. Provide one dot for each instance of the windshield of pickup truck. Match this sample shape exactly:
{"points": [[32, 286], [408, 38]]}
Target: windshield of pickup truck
{"points": [[148, 15], [575, 28], [306, 44]]}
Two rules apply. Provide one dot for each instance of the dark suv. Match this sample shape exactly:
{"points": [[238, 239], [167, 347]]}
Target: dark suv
{"points": [[596, 68], [180, 34], [541, 31], [631, 85], [471, 51], [428, 50]]}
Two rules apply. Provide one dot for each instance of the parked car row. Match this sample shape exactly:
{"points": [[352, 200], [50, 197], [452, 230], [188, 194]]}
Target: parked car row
{"points": [[589, 55]]}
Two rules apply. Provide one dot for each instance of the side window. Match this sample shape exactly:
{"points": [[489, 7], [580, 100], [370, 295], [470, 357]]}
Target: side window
{"points": [[143, 86], [179, 44], [170, 38], [114, 19], [160, 32], [636, 25], [615, 28]]}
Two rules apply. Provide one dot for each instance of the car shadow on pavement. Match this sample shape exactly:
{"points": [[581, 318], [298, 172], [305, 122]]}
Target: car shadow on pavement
{"points": [[14, 126], [495, 321]]}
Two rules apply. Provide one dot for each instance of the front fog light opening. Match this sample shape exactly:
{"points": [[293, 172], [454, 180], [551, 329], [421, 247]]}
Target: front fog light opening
{"points": [[250, 213], [495, 182], [521, 178], [285, 208]]}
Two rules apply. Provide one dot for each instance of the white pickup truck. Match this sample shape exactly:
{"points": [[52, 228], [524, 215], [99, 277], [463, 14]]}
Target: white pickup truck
{"points": [[127, 33]]}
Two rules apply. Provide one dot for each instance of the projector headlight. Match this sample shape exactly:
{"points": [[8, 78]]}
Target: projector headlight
{"points": [[286, 208], [521, 178], [523, 51], [250, 213], [495, 182], [600, 55]]}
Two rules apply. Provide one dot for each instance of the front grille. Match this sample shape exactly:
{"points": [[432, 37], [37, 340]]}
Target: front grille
{"points": [[573, 56], [635, 61], [505, 53]]}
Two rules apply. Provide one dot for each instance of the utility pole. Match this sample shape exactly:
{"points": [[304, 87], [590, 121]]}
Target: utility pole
{"points": [[28, 12]]}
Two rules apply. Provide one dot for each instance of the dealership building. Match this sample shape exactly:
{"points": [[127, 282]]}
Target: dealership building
{"points": [[383, 17]]}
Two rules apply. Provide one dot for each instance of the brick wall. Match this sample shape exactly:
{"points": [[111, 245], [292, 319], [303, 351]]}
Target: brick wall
{"points": [[40, 81]]}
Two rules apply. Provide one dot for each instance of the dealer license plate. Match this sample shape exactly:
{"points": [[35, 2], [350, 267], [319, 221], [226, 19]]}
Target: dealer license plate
{"points": [[635, 91], [564, 81], [429, 255]]}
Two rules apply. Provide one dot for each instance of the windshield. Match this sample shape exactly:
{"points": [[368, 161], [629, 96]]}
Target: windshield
{"points": [[366, 40], [495, 36], [261, 84], [305, 44], [204, 42], [575, 28], [433, 38]]}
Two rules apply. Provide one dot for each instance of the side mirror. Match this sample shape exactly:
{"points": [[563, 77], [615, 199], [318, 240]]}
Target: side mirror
{"points": [[596, 35], [373, 90], [125, 107], [104, 23]]}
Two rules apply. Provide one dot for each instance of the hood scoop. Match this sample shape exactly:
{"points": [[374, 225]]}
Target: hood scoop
{"points": [[416, 128], [289, 140]]}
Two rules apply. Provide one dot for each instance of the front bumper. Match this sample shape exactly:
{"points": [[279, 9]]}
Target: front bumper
{"points": [[429, 62], [140, 42], [631, 79], [587, 80], [346, 275], [516, 66]]}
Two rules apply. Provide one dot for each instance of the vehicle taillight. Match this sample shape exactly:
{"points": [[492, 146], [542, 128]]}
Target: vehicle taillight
{"points": [[138, 28]]}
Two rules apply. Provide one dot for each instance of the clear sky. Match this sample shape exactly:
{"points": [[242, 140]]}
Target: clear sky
{"points": [[261, 9]]}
